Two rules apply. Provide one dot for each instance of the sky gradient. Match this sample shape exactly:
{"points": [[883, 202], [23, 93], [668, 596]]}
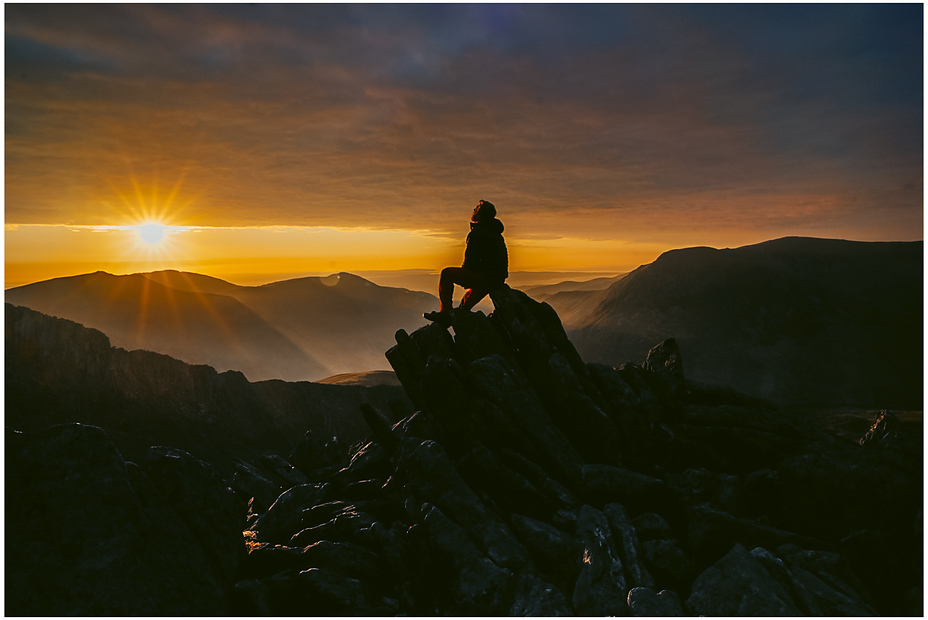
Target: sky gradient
{"points": [[283, 140]]}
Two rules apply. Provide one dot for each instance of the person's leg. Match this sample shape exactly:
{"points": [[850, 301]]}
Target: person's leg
{"points": [[467, 278], [446, 289], [472, 297]]}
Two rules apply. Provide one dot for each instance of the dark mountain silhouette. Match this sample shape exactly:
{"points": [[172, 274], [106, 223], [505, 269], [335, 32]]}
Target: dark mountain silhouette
{"points": [[296, 330], [59, 371], [527, 482], [795, 320]]}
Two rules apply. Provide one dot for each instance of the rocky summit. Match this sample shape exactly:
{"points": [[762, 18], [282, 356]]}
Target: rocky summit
{"points": [[526, 482]]}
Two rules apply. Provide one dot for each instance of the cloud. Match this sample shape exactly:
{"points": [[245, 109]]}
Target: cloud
{"points": [[589, 121]]}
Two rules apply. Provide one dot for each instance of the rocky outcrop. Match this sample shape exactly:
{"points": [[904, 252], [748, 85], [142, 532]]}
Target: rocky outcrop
{"points": [[89, 534], [527, 482]]}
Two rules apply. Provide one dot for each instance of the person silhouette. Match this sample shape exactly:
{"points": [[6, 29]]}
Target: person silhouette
{"points": [[486, 265]]}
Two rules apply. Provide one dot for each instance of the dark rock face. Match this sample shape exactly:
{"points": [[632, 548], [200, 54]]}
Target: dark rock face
{"points": [[525, 483], [90, 534]]}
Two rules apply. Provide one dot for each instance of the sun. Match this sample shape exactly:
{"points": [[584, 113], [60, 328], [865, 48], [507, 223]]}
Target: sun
{"points": [[152, 233], [154, 239]]}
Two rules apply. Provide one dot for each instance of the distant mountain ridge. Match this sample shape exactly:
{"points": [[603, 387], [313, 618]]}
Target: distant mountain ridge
{"points": [[817, 321], [58, 371], [295, 330]]}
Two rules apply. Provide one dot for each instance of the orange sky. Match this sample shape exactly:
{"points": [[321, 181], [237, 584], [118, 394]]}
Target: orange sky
{"points": [[286, 140]]}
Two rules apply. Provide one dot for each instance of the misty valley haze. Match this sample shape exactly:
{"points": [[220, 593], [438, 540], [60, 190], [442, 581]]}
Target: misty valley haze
{"points": [[795, 320]]}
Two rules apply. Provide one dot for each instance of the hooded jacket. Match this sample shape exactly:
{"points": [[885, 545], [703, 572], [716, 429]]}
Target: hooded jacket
{"points": [[485, 249]]}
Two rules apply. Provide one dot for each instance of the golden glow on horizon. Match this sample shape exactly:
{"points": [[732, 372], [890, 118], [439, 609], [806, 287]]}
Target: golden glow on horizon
{"points": [[258, 255]]}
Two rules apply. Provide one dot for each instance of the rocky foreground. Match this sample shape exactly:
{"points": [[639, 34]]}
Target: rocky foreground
{"points": [[526, 483]]}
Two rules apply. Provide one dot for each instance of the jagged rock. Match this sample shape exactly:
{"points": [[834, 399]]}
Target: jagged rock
{"points": [[830, 579], [479, 586], [712, 531], [500, 384], [281, 472], [739, 585], [600, 589], [885, 428], [701, 486], [613, 387], [277, 595], [666, 362], [381, 428], [554, 551], [416, 425], [345, 558], [343, 526], [534, 597], [248, 483], [311, 454], [328, 593], [607, 484], [644, 602], [278, 524], [667, 562], [637, 378], [265, 559], [476, 338], [481, 469], [627, 543], [541, 480], [834, 493], [433, 477], [89, 534], [203, 501], [651, 526], [781, 572]]}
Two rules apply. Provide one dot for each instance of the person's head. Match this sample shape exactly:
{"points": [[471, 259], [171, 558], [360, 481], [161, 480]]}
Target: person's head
{"points": [[483, 212]]}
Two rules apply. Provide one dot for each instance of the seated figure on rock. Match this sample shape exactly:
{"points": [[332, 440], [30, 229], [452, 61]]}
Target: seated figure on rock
{"points": [[486, 265]]}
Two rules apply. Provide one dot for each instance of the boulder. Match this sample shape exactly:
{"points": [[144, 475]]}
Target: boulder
{"points": [[207, 506], [555, 552], [600, 589], [739, 585], [535, 597], [626, 538], [667, 562], [651, 526], [344, 558], [644, 602], [666, 363], [712, 531], [640, 493], [433, 477], [280, 471], [885, 429], [283, 519], [248, 483], [89, 535], [478, 585]]}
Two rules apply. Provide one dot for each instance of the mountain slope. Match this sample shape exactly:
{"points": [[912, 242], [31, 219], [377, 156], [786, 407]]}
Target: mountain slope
{"points": [[199, 328], [816, 321], [58, 371], [296, 330]]}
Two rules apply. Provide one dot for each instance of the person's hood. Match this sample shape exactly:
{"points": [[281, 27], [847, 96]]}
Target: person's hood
{"points": [[493, 225]]}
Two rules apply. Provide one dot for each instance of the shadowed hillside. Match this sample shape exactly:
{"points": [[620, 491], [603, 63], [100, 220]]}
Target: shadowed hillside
{"points": [[296, 330], [58, 371], [795, 320]]}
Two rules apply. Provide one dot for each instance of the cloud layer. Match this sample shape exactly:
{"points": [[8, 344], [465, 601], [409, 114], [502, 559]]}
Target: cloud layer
{"points": [[672, 123]]}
